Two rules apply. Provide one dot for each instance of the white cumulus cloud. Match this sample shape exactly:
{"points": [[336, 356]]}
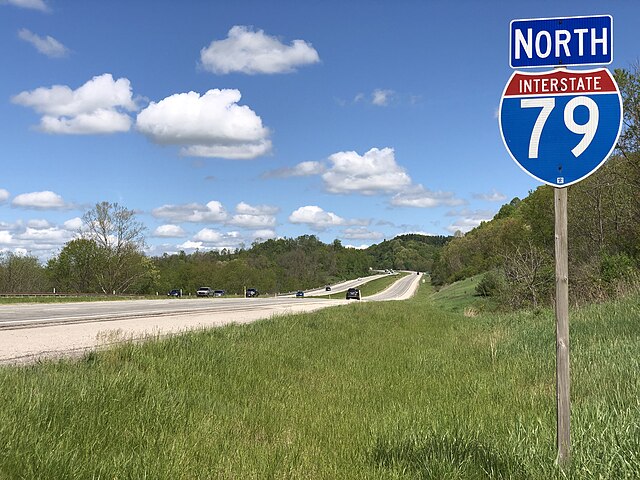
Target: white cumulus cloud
{"points": [[318, 219], [36, 237], [46, 200], [211, 125], [362, 246], [45, 236], [492, 196], [73, 224], [4, 195], [207, 235], [265, 234], [95, 107], [468, 219], [169, 231], [48, 45], [303, 169], [208, 239], [258, 217], [382, 97], [372, 173], [253, 221], [420, 197], [38, 223], [251, 52], [361, 233], [6, 238], [246, 209], [191, 245], [31, 4], [212, 212]]}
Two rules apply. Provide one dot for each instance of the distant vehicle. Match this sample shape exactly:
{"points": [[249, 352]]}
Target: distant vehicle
{"points": [[417, 273], [174, 293], [299, 293], [353, 294], [204, 292], [218, 293], [252, 292], [327, 288]]}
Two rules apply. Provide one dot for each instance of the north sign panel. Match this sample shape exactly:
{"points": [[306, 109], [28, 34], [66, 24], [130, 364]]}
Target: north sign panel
{"points": [[567, 41]]}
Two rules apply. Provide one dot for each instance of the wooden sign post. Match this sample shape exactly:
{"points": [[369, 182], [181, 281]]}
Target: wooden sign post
{"points": [[562, 327]]}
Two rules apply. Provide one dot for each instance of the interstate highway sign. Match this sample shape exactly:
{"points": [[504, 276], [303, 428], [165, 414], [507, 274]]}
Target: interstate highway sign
{"points": [[560, 126], [549, 42]]}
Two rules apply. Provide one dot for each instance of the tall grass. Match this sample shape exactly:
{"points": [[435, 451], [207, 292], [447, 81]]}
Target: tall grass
{"points": [[396, 390], [461, 296]]}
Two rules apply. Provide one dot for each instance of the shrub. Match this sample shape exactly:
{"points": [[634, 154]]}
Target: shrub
{"points": [[491, 284], [618, 273]]}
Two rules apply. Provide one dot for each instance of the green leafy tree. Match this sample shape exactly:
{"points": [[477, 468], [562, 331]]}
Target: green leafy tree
{"points": [[22, 274], [119, 264], [75, 268]]}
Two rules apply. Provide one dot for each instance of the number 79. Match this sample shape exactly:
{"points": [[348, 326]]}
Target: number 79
{"points": [[547, 104]]}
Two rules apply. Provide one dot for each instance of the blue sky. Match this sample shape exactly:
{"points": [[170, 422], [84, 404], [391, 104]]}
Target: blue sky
{"points": [[222, 123]]}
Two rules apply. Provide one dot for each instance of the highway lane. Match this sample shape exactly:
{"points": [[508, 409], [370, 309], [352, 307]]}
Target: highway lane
{"points": [[29, 332], [52, 331], [402, 289], [26, 315], [343, 286]]}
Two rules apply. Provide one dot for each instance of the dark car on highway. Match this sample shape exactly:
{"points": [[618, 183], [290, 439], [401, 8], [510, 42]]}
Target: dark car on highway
{"points": [[174, 293], [299, 293], [353, 294], [252, 292], [327, 288]]}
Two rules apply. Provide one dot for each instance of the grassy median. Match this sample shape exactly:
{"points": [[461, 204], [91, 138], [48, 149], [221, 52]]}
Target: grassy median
{"points": [[394, 390]]}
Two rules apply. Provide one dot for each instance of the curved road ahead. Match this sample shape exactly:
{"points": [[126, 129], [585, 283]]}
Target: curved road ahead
{"points": [[32, 331], [339, 287], [402, 289]]}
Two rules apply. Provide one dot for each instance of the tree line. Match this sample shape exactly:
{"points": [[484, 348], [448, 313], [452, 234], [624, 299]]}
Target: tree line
{"points": [[516, 248], [108, 258]]}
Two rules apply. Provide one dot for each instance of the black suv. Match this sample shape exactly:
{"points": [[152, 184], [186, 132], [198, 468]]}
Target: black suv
{"points": [[252, 292], [353, 294]]}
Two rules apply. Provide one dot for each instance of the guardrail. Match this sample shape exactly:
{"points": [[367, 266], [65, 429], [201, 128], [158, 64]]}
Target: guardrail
{"points": [[54, 295]]}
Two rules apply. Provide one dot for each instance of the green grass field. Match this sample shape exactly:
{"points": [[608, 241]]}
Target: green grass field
{"points": [[395, 390], [461, 296]]}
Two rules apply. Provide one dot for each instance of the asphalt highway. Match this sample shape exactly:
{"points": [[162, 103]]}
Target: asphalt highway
{"points": [[29, 332], [31, 315], [342, 287]]}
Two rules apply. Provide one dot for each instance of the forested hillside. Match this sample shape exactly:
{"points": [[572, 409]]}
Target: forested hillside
{"points": [[516, 248], [281, 265], [288, 264], [408, 252]]}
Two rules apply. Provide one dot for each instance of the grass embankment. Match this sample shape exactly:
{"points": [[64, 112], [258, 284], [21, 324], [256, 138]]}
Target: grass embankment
{"points": [[461, 296], [394, 390]]}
